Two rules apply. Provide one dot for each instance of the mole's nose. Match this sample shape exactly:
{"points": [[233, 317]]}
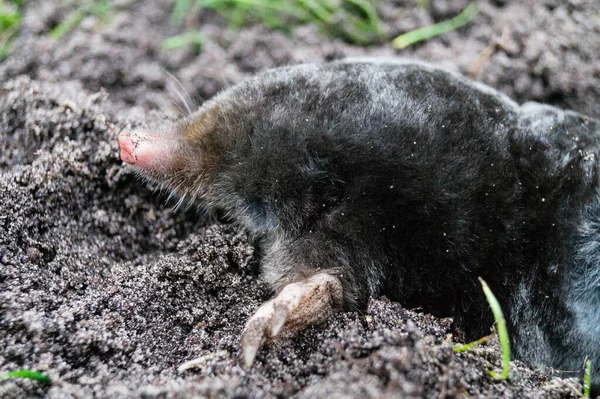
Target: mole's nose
{"points": [[127, 147], [150, 151]]}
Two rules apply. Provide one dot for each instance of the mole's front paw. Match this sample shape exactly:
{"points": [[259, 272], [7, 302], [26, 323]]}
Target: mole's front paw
{"points": [[297, 306]]}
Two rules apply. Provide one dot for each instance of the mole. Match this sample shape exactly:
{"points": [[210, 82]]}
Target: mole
{"points": [[365, 177]]}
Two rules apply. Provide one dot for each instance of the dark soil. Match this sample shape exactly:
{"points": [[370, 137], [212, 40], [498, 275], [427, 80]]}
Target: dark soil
{"points": [[109, 290]]}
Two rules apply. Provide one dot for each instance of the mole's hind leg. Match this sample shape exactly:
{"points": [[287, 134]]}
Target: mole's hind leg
{"points": [[298, 305]]}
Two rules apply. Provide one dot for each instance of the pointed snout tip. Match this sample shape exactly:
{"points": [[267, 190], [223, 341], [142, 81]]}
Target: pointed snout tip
{"points": [[127, 147]]}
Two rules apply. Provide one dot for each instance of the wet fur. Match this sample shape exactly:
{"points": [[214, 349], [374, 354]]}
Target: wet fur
{"points": [[410, 181]]}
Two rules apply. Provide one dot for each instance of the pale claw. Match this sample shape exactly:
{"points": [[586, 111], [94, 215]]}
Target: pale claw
{"points": [[255, 331], [297, 306]]}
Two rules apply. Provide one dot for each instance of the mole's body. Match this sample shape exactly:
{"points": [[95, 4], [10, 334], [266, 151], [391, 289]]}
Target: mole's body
{"points": [[365, 178]]}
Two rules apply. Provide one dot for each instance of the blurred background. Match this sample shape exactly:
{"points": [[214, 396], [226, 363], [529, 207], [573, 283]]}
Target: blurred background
{"points": [[543, 50]]}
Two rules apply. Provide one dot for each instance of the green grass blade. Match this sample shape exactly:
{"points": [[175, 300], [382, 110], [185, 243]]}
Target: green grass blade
{"points": [[369, 12], [192, 38], [587, 380], [261, 4], [179, 11], [67, 25], [428, 32], [502, 331], [100, 9], [32, 375], [317, 10], [353, 20], [468, 346], [10, 22]]}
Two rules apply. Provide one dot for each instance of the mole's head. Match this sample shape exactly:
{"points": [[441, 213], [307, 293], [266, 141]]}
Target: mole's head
{"points": [[183, 157]]}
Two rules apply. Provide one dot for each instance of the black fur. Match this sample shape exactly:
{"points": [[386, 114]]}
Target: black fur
{"points": [[410, 181]]}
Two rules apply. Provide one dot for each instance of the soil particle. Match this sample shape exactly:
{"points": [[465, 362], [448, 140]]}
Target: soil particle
{"points": [[109, 290]]}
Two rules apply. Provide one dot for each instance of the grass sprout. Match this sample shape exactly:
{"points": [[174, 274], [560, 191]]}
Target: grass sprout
{"points": [[10, 21], [31, 374], [428, 32], [355, 21], [180, 10], [468, 346], [587, 380], [190, 38], [502, 331], [101, 9]]}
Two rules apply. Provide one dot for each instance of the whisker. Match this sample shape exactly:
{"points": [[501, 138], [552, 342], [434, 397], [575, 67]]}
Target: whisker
{"points": [[172, 193], [181, 200], [175, 99], [183, 99]]}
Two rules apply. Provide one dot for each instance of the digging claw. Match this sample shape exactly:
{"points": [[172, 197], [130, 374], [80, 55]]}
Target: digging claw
{"points": [[280, 316], [297, 306], [253, 337], [256, 331]]}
